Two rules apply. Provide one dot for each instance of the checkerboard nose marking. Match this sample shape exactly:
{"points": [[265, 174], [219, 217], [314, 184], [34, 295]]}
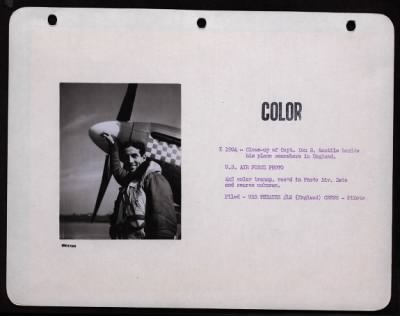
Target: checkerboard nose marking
{"points": [[163, 151]]}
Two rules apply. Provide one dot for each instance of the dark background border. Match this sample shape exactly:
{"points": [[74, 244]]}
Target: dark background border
{"points": [[7, 7]]}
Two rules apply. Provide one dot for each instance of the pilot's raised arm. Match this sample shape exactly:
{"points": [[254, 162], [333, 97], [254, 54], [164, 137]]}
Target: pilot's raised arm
{"points": [[121, 175]]}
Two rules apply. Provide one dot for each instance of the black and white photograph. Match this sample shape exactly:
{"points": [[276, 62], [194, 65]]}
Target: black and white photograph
{"points": [[120, 161]]}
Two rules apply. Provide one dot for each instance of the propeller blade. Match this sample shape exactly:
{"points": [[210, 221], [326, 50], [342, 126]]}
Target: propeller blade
{"points": [[105, 180], [125, 111], [124, 115]]}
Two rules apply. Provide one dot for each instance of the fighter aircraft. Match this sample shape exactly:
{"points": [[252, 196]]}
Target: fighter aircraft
{"points": [[163, 145]]}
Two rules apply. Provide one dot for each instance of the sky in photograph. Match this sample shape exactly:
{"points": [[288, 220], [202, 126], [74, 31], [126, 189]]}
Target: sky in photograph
{"points": [[81, 161]]}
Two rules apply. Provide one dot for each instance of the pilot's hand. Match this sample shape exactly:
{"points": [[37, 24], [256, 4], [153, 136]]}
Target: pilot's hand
{"points": [[109, 138]]}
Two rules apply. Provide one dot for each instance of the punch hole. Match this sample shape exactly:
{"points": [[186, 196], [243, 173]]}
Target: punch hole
{"points": [[351, 25], [201, 23], [52, 19]]}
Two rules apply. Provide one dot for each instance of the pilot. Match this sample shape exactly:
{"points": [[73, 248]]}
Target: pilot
{"points": [[144, 208]]}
